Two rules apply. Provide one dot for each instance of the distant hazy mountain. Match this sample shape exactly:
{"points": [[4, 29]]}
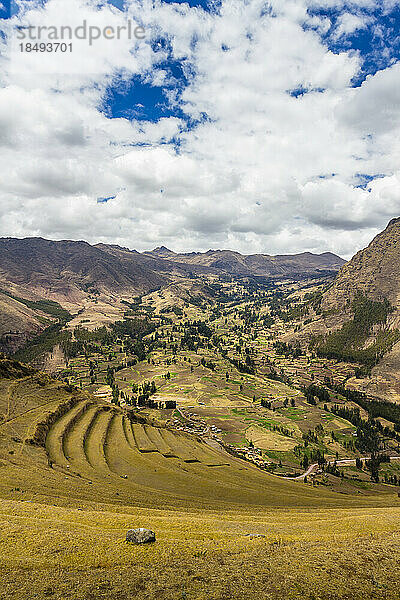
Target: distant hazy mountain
{"points": [[262, 265], [75, 273]]}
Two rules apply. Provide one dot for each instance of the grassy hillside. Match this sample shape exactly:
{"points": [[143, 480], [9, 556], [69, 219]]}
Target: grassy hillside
{"points": [[75, 474], [348, 342], [52, 552]]}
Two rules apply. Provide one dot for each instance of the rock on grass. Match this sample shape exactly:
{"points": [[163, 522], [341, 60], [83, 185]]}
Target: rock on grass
{"points": [[140, 536]]}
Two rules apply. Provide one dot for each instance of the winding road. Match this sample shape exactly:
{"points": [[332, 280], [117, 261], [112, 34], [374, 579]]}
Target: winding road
{"points": [[344, 461]]}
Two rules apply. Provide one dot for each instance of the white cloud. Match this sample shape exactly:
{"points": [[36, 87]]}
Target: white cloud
{"points": [[267, 171], [375, 107], [349, 23]]}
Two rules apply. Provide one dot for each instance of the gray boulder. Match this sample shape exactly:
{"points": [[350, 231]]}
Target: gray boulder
{"points": [[140, 536]]}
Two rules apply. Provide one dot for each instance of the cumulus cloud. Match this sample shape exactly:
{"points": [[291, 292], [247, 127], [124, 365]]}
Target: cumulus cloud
{"points": [[349, 23], [374, 108], [281, 153]]}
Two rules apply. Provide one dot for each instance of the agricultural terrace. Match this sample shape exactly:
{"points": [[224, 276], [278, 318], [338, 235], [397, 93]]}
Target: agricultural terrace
{"points": [[215, 365]]}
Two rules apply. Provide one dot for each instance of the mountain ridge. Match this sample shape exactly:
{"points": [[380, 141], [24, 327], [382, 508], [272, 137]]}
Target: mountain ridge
{"points": [[371, 281], [96, 278], [374, 270], [47, 268], [266, 265]]}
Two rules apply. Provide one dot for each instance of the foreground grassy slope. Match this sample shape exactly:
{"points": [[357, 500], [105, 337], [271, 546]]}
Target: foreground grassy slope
{"points": [[69, 497], [55, 552]]}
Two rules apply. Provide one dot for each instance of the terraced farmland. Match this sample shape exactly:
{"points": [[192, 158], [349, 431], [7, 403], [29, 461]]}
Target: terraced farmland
{"points": [[94, 441], [76, 473], [93, 449]]}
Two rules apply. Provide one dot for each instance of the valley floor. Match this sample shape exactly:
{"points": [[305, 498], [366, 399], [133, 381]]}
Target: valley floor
{"points": [[73, 481]]}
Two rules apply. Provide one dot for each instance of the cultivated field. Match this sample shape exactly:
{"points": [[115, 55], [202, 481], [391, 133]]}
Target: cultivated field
{"points": [[73, 481], [147, 425]]}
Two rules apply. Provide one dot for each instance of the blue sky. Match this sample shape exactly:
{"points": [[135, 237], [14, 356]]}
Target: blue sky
{"points": [[252, 125], [378, 45]]}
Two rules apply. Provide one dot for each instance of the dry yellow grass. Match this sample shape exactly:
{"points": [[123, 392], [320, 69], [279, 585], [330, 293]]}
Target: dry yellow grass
{"points": [[55, 552], [269, 440], [62, 529]]}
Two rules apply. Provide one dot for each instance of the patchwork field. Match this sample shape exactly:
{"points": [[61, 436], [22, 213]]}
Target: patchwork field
{"points": [[269, 440], [76, 473], [193, 418], [228, 375], [73, 481]]}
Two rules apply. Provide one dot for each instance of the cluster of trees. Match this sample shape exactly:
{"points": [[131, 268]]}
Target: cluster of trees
{"points": [[196, 335], [248, 315], [209, 364], [85, 342], [287, 350], [278, 305], [134, 304], [50, 307], [282, 430], [42, 343], [51, 335], [266, 403], [374, 463], [244, 367], [110, 380], [311, 437], [375, 408], [333, 469], [347, 343], [267, 321], [110, 376], [368, 431], [391, 479], [133, 328], [132, 331], [315, 456], [150, 403], [314, 391], [146, 390], [273, 374]]}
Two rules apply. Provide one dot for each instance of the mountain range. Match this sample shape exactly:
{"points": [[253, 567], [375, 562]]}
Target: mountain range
{"points": [[255, 265], [73, 273], [79, 275], [65, 270]]}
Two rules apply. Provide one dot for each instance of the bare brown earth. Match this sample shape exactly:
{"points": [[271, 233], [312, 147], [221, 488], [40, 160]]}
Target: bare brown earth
{"points": [[17, 323], [54, 361], [69, 271], [375, 272]]}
